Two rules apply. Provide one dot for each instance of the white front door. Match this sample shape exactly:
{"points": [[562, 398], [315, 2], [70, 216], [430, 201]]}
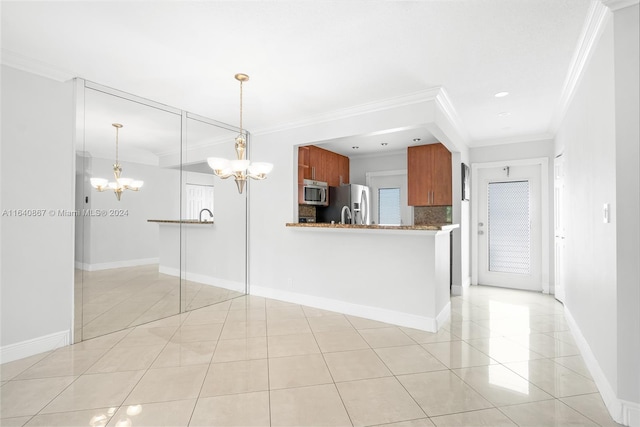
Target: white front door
{"points": [[389, 192], [558, 225], [510, 227]]}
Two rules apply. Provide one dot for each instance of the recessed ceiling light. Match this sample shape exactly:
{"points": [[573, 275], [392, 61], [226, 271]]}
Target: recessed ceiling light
{"points": [[416, 139], [384, 144], [504, 114], [501, 94], [355, 147]]}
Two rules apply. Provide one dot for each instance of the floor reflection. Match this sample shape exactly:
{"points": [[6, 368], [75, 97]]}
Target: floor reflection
{"points": [[120, 298]]}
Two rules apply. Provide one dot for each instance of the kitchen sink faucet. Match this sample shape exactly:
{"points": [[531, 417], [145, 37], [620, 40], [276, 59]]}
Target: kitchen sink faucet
{"points": [[345, 209], [205, 209]]}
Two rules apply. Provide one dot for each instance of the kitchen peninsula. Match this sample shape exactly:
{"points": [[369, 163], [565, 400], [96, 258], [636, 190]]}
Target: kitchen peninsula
{"points": [[394, 274]]}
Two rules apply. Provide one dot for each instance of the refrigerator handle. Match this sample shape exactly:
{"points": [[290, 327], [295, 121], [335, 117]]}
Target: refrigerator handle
{"points": [[364, 207]]}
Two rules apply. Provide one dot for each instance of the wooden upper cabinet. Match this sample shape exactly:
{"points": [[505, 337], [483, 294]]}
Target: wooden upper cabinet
{"points": [[429, 175], [327, 166]]}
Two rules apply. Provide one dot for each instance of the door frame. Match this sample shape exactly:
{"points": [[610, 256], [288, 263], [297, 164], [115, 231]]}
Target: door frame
{"points": [[369, 176], [543, 162]]}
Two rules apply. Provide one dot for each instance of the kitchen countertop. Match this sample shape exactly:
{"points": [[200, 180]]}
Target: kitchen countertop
{"points": [[178, 221], [431, 227]]}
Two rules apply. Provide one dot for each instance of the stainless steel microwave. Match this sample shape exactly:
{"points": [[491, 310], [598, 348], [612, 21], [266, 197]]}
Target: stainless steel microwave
{"points": [[315, 193]]}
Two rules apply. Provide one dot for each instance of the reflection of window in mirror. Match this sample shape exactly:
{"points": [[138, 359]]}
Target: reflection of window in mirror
{"points": [[389, 206], [199, 197]]}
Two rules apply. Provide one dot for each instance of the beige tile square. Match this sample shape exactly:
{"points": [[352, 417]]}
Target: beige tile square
{"points": [[252, 315], [442, 392], [14, 422], [64, 362], [592, 407], [165, 384], [126, 359], [293, 312], [195, 333], [12, 369], [340, 340], [175, 413], [288, 326], [553, 378], [485, 417], [243, 376], [99, 416], [240, 349], [420, 422], [292, 345], [385, 337], [185, 354], [317, 312], [500, 385], [331, 322], [95, 391], [503, 350], [318, 405], [298, 371], [409, 359], [243, 329], [545, 413], [362, 323], [241, 410], [248, 303], [28, 397], [457, 354], [469, 330], [355, 365], [204, 316], [378, 401], [545, 345], [575, 363], [147, 336], [424, 337]]}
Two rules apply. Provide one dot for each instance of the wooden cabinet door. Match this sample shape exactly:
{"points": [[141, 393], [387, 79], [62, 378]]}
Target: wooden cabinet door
{"points": [[429, 175], [441, 176], [418, 175], [304, 171], [343, 170]]}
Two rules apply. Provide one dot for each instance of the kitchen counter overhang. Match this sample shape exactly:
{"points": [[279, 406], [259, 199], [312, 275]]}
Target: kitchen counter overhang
{"points": [[387, 229]]}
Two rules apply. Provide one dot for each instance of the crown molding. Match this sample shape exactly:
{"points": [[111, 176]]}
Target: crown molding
{"points": [[597, 17], [344, 113], [33, 66], [614, 5], [512, 140], [447, 109]]}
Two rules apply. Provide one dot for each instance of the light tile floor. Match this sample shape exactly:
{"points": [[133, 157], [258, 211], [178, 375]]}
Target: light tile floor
{"points": [[506, 358]]}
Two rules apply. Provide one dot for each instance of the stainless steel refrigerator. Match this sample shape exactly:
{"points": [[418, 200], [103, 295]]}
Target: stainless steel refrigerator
{"points": [[356, 197]]}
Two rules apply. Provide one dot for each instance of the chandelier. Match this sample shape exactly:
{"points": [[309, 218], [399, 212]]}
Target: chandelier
{"points": [[241, 168], [120, 184]]}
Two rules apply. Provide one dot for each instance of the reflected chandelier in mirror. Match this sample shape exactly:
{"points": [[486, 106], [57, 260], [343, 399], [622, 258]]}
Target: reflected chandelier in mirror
{"points": [[120, 184]]}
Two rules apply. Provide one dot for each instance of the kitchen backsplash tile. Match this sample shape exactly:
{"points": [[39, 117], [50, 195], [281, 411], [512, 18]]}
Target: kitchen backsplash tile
{"points": [[306, 211], [426, 215]]}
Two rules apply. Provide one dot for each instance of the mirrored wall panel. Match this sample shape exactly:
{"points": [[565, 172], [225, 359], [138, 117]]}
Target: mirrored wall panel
{"points": [[156, 233], [213, 256]]}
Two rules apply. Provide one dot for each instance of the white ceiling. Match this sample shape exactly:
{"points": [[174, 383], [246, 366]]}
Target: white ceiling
{"points": [[307, 58]]}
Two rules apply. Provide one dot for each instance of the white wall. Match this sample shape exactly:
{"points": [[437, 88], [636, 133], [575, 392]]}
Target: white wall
{"points": [[37, 173], [360, 165], [627, 92], [599, 138]]}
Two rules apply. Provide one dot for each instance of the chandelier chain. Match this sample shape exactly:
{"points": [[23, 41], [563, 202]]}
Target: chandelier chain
{"points": [[240, 107]]}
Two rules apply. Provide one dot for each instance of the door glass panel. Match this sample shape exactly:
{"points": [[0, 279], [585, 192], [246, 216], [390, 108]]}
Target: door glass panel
{"points": [[509, 219], [389, 206]]}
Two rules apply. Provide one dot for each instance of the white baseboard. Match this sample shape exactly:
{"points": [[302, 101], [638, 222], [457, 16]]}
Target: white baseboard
{"points": [[116, 264], [398, 318], [27, 348], [623, 412], [459, 290], [204, 279]]}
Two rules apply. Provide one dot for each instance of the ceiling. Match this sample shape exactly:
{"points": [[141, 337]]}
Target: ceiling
{"points": [[308, 58]]}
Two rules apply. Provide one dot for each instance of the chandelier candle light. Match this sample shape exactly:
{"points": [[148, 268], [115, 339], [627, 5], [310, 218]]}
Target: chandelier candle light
{"points": [[120, 184], [241, 168]]}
